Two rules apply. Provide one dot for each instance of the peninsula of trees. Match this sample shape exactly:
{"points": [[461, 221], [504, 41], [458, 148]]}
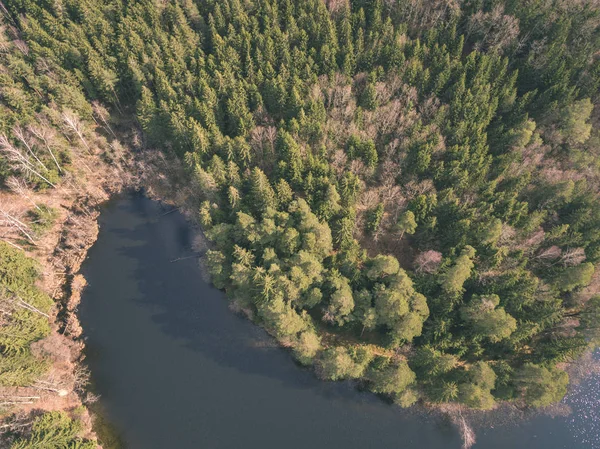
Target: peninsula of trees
{"points": [[401, 192]]}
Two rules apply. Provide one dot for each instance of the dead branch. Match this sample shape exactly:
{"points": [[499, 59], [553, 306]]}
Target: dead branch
{"points": [[19, 160], [75, 125], [44, 134], [20, 134]]}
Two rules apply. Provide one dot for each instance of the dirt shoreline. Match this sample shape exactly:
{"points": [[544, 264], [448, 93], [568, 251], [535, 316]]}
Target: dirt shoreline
{"points": [[60, 255], [60, 252]]}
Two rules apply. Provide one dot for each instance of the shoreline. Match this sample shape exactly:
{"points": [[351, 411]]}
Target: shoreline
{"points": [[59, 253], [77, 233], [467, 422]]}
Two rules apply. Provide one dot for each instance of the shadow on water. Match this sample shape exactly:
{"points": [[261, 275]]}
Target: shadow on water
{"points": [[188, 309], [176, 368]]}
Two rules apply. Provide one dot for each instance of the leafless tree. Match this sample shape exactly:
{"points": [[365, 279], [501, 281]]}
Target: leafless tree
{"points": [[81, 375], [45, 134], [101, 112], [494, 30], [328, 317], [19, 160], [19, 133], [425, 14], [11, 299], [18, 421], [17, 400], [74, 124], [338, 161], [11, 219], [52, 386], [428, 261], [466, 431], [551, 253], [262, 141], [335, 6], [573, 256], [20, 188]]}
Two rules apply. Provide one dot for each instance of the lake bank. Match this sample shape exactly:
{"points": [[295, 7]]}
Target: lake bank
{"points": [[176, 368]]}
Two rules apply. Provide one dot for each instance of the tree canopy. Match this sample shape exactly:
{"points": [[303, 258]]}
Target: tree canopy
{"points": [[388, 187]]}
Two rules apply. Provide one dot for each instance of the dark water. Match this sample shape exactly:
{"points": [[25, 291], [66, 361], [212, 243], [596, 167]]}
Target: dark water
{"points": [[176, 369]]}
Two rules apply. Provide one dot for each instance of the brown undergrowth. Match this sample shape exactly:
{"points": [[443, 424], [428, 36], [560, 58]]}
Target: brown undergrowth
{"points": [[60, 250]]}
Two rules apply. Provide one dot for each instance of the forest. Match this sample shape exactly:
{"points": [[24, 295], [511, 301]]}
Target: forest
{"points": [[405, 193]]}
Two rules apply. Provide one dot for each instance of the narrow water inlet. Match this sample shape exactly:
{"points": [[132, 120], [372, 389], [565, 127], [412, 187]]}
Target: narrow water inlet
{"points": [[176, 368]]}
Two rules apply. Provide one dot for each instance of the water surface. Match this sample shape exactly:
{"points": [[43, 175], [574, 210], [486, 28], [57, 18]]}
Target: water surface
{"points": [[176, 369]]}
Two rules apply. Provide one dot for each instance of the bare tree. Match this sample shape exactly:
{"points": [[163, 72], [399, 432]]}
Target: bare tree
{"points": [[339, 161], [494, 30], [428, 261], [101, 112], [335, 6], [52, 386], [10, 219], [17, 400], [20, 134], [81, 378], [12, 300], [19, 187], [74, 124], [573, 256], [45, 135], [18, 421], [550, 253], [262, 141], [466, 431], [19, 160]]}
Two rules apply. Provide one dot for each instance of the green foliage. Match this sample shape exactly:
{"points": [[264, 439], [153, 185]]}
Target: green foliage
{"points": [[307, 346], [475, 397], [341, 302], [17, 271], [574, 124], [407, 398], [25, 318], [433, 361], [374, 217], [337, 363], [20, 369], [364, 150], [382, 266], [215, 263], [55, 430], [261, 195], [400, 308], [488, 320], [575, 277], [476, 391], [453, 279], [589, 318], [280, 318], [42, 219], [368, 98], [541, 386], [407, 223], [392, 380], [295, 123]]}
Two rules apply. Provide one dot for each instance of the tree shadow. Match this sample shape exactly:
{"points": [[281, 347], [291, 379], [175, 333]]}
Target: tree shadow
{"points": [[142, 242], [188, 309]]}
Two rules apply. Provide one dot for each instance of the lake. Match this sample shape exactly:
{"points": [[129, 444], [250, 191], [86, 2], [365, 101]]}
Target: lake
{"points": [[175, 368]]}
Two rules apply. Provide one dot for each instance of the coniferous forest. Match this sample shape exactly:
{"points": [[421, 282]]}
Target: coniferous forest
{"points": [[402, 192]]}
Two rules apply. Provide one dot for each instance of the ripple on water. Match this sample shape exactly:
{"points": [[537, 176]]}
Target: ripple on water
{"points": [[584, 422]]}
